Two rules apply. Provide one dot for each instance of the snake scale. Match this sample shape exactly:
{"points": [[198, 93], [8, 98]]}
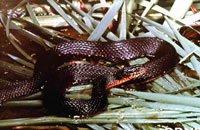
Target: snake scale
{"points": [[162, 58]]}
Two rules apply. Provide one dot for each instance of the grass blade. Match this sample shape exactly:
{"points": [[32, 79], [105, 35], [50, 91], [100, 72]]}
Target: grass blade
{"points": [[102, 26]]}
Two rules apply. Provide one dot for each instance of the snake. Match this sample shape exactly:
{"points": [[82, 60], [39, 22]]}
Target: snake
{"points": [[56, 78]]}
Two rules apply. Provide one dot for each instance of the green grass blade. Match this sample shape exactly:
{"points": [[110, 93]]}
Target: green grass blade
{"points": [[64, 15], [32, 15], [102, 26]]}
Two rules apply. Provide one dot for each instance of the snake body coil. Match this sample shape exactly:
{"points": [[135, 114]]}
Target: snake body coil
{"points": [[162, 58]]}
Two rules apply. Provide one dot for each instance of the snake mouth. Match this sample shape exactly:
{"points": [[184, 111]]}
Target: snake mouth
{"points": [[126, 78]]}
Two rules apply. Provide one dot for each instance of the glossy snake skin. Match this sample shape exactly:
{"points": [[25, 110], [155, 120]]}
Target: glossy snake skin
{"points": [[162, 58]]}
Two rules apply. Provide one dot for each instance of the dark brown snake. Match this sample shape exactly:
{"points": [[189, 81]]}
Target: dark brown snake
{"points": [[162, 58]]}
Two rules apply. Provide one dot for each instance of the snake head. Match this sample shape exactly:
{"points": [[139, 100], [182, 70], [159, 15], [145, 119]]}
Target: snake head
{"points": [[136, 70], [127, 74]]}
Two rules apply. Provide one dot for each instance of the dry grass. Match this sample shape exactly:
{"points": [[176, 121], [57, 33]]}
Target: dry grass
{"points": [[172, 99]]}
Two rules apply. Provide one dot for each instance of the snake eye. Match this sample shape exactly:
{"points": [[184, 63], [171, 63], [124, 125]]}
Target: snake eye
{"points": [[136, 69], [131, 71]]}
